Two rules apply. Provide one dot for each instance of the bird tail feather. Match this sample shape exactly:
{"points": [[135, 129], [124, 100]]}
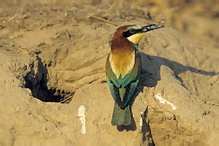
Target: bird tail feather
{"points": [[121, 116]]}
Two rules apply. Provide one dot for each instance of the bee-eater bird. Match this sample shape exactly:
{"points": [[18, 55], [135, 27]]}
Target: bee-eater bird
{"points": [[123, 68]]}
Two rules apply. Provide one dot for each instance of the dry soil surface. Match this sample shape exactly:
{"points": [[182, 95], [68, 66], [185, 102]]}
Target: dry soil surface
{"points": [[53, 88]]}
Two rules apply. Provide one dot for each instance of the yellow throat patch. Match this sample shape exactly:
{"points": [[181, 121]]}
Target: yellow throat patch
{"points": [[135, 39]]}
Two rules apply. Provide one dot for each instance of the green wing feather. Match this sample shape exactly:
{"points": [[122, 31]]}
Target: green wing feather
{"points": [[122, 89]]}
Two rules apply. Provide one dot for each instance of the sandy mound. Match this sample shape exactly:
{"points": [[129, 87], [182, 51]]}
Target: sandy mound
{"points": [[54, 54]]}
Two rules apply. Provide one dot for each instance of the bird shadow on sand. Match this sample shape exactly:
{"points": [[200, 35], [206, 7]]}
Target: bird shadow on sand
{"points": [[151, 70], [151, 75]]}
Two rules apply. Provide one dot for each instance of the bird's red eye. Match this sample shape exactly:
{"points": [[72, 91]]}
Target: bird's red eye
{"points": [[132, 31]]}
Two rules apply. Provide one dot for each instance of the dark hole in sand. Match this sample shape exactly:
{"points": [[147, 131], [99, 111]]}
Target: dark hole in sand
{"points": [[36, 80]]}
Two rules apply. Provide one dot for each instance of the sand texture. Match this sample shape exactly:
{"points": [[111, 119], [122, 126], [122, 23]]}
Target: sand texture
{"points": [[53, 88]]}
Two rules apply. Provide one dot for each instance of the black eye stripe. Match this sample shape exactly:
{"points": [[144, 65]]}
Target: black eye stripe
{"points": [[128, 32]]}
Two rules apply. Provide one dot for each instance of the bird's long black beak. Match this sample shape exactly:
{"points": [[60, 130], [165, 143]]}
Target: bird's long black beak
{"points": [[150, 27]]}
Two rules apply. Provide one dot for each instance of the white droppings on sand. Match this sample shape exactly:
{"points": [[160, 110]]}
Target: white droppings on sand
{"points": [[163, 100], [81, 114], [141, 121]]}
